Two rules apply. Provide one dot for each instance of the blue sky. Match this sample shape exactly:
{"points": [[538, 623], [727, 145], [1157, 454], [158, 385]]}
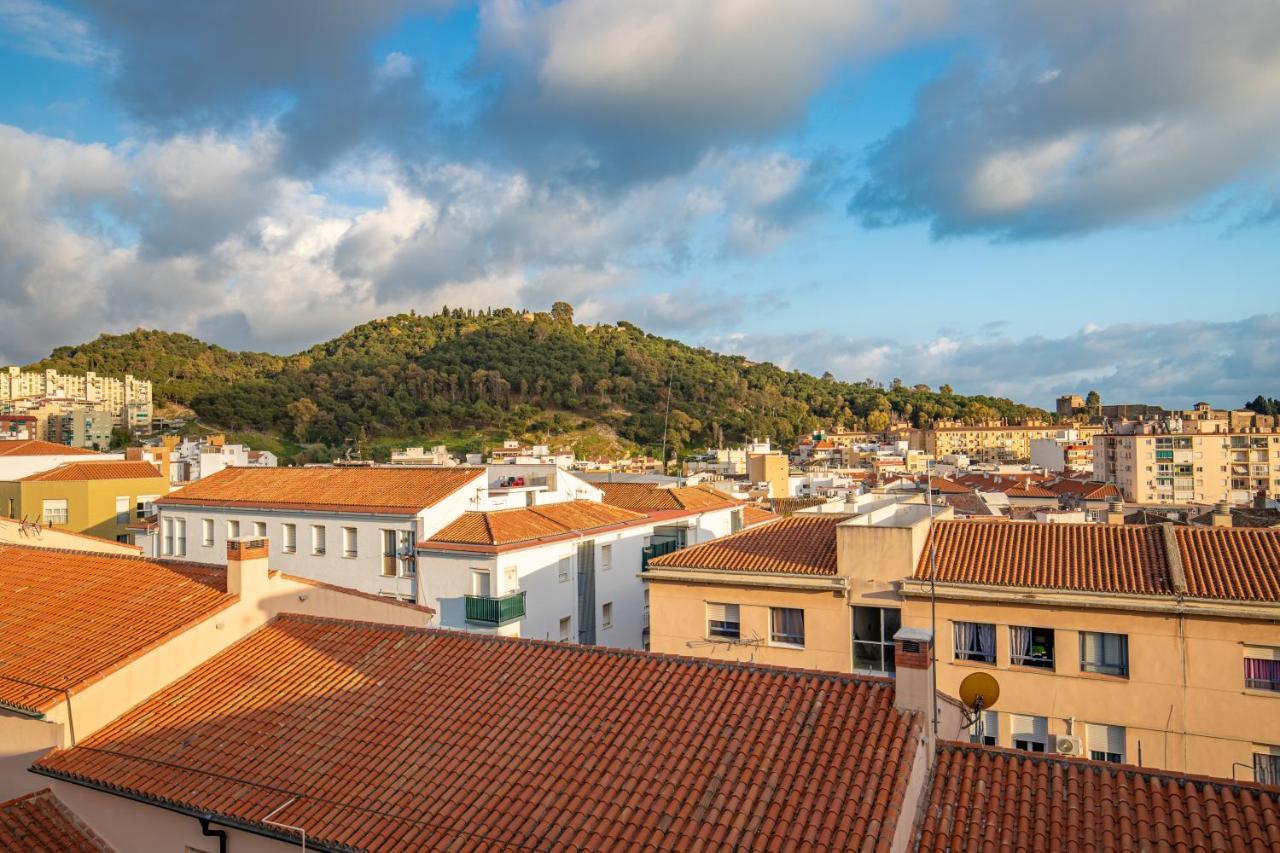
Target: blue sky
{"points": [[1015, 198]]}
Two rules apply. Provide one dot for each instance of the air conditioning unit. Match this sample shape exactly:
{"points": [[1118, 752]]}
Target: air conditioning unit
{"points": [[1067, 744]]}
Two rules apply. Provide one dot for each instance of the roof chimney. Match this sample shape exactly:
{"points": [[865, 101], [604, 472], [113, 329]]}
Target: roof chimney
{"points": [[1115, 512], [1222, 514], [913, 684], [247, 567]]}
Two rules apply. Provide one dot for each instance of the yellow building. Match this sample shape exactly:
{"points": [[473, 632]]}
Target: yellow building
{"points": [[770, 468], [996, 443], [1148, 644], [1152, 468], [100, 498]]}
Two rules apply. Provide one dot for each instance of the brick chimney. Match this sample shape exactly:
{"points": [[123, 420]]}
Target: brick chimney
{"points": [[913, 684], [247, 567], [1222, 514], [1115, 512]]}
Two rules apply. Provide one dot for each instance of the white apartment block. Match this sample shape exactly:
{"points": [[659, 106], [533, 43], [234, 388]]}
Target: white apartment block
{"points": [[130, 397]]}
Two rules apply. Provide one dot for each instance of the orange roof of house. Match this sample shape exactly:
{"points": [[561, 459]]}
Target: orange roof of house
{"points": [[110, 470], [983, 797], [71, 617], [650, 497], [39, 821], [1085, 490], [795, 545], [526, 524], [1231, 563], [943, 486], [37, 447], [378, 737], [1085, 557], [753, 515], [393, 490]]}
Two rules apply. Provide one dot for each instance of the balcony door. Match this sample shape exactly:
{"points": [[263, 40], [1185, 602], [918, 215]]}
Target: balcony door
{"points": [[587, 593]]}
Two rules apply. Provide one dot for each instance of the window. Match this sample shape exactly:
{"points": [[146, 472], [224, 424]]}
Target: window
{"points": [[1105, 743], [146, 505], [1266, 764], [723, 621], [564, 629], [564, 569], [289, 533], [408, 550], [1262, 668], [1104, 653], [180, 537], [123, 505], [388, 554], [606, 557], [1031, 647], [317, 540], [735, 521], [259, 528], [55, 511], [206, 532], [786, 626], [873, 630], [1029, 733], [480, 582], [233, 529], [349, 545], [986, 729], [606, 615], [975, 641], [166, 545]]}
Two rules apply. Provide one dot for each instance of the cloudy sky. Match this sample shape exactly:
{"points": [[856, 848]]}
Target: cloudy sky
{"points": [[1020, 197]]}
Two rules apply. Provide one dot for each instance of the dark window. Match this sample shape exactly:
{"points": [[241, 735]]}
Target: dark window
{"points": [[1262, 669], [1031, 647], [1266, 768], [1104, 653], [786, 625], [873, 630]]}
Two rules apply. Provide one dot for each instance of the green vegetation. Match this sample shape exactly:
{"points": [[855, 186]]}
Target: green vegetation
{"points": [[467, 379], [1264, 405]]}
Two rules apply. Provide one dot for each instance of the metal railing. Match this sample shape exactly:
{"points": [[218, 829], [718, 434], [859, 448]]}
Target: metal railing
{"points": [[488, 610], [657, 549]]}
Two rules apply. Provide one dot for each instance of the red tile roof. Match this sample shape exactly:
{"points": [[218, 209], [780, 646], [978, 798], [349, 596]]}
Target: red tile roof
{"points": [[40, 823], [1083, 557], [530, 524], [649, 497], [1087, 491], [753, 515], [983, 798], [1230, 563], [398, 490], [802, 544], [97, 471], [36, 447], [385, 738], [72, 617]]}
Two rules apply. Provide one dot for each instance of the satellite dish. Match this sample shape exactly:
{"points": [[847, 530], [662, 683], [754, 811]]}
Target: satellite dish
{"points": [[979, 691]]}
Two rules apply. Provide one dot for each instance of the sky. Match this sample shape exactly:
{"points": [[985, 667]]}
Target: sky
{"points": [[1015, 197]]}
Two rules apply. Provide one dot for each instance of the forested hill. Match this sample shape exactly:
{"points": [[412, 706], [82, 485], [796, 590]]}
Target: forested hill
{"points": [[528, 374]]}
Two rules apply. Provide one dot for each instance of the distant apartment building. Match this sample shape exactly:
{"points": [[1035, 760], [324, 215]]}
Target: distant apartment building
{"points": [[437, 455], [1131, 644], [82, 427], [128, 399], [1204, 468], [19, 427], [1063, 455], [991, 443], [769, 474], [513, 452]]}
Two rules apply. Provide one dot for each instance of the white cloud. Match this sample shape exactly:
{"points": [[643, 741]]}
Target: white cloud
{"points": [[46, 30]]}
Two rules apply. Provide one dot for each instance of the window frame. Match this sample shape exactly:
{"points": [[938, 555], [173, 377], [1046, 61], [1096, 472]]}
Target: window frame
{"points": [[606, 615], [1030, 661], [885, 645], [1120, 670], [350, 543], [1267, 655], [786, 640], [64, 514], [206, 532], [288, 537], [723, 632], [319, 543], [969, 655]]}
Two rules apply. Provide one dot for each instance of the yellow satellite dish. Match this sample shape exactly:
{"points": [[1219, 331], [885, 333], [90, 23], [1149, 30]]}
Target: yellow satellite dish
{"points": [[979, 687]]}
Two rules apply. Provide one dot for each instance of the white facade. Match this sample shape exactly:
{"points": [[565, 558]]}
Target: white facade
{"points": [[16, 467]]}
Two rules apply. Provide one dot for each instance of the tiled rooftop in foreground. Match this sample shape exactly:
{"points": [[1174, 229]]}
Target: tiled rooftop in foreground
{"points": [[40, 822], [394, 738], [797, 545]]}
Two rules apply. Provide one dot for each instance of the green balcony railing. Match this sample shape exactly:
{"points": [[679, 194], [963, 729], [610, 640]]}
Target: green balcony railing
{"points": [[488, 610], [657, 549]]}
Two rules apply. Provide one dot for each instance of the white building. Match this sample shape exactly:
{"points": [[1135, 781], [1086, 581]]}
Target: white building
{"points": [[437, 455], [195, 459], [23, 457]]}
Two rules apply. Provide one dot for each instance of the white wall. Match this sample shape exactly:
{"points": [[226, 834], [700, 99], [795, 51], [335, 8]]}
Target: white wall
{"points": [[17, 467]]}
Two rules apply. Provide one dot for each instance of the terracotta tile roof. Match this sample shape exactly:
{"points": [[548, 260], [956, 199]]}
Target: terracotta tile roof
{"points": [[753, 515], [1087, 491], [1081, 557], [968, 503], [1241, 564], [1013, 485], [398, 490], [71, 617], [397, 738], [650, 497], [40, 823], [1244, 517], [983, 798], [943, 486], [506, 526], [97, 471], [787, 506], [36, 447], [796, 545]]}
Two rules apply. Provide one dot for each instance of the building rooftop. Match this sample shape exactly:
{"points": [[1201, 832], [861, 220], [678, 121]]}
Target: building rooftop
{"points": [[987, 798], [37, 447], [753, 515], [39, 821], [530, 525], [72, 617], [397, 490], [1084, 490], [107, 470], [649, 497], [795, 545], [1211, 563], [384, 738], [36, 536]]}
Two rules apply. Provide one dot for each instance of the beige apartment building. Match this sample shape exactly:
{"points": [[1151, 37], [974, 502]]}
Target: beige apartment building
{"points": [[49, 394], [1131, 644], [1155, 468], [990, 443]]}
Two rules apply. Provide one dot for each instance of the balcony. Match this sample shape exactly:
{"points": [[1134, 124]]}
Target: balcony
{"points": [[488, 610], [657, 549]]}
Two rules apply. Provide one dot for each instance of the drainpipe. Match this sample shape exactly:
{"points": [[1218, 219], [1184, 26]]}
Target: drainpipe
{"points": [[220, 834]]}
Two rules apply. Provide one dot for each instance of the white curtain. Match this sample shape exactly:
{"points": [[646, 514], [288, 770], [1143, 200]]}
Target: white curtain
{"points": [[1019, 642], [975, 641]]}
